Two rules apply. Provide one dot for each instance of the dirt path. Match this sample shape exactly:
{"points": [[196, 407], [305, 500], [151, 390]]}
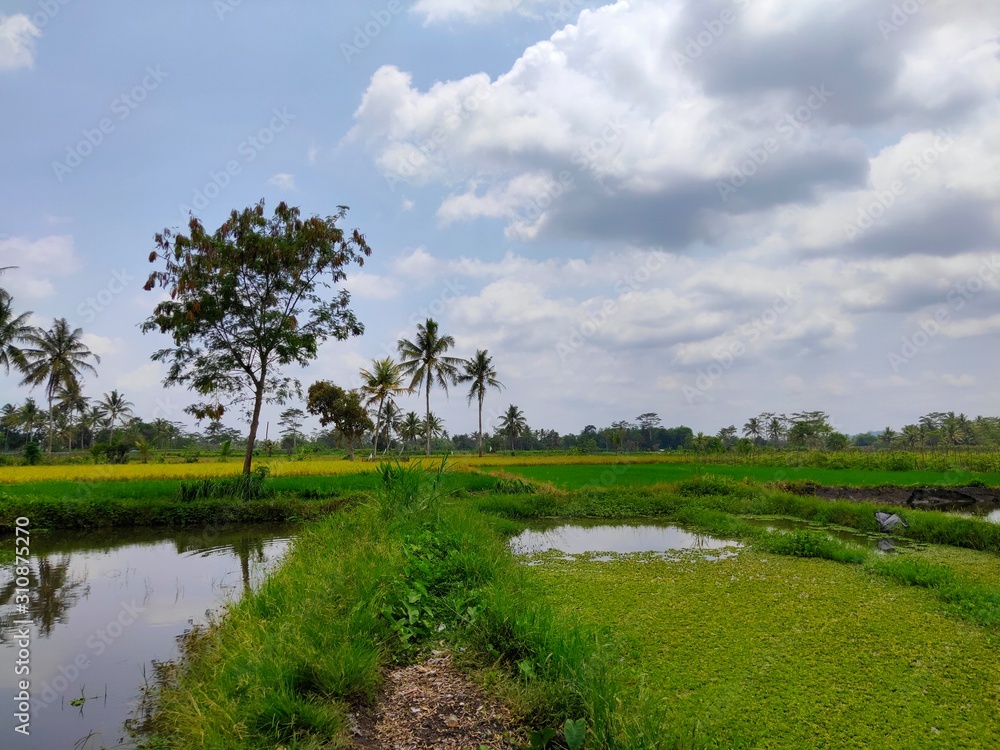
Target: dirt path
{"points": [[433, 706]]}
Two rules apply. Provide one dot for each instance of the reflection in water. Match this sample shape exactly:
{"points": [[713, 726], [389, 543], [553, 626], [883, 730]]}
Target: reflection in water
{"points": [[578, 538], [52, 592], [103, 607]]}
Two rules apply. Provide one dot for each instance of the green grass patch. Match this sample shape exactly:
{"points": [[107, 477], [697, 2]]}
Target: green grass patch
{"points": [[765, 651]]}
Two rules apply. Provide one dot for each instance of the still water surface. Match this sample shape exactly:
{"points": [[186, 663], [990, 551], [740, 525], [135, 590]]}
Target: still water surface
{"points": [[103, 606]]}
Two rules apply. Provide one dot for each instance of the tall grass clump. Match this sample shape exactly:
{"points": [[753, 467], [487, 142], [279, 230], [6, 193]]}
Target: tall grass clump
{"points": [[245, 487]]}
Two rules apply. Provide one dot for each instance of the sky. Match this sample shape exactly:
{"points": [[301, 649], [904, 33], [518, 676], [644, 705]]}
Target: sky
{"points": [[705, 209]]}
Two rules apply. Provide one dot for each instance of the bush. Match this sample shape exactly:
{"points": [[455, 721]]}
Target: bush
{"points": [[32, 454]]}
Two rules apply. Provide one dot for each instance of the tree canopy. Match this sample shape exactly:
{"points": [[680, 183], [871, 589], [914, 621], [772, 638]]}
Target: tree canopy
{"points": [[246, 300]]}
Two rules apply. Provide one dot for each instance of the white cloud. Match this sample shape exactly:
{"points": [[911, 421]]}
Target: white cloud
{"points": [[283, 181], [408, 205], [959, 381], [363, 285], [35, 262], [101, 345], [145, 377], [17, 42]]}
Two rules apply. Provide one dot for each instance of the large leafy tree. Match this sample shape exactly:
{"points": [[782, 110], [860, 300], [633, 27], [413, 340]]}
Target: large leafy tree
{"points": [[512, 424], [382, 382], [426, 361], [54, 358], [343, 409], [246, 300], [480, 373]]}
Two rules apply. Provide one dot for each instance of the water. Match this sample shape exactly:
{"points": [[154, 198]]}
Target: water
{"points": [[882, 542], [994, 517], [583, 537], [102, 607]]}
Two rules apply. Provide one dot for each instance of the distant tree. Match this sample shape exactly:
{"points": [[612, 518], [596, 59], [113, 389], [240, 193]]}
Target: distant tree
{"points": [[753, 429], [246, 301], [382, 382], [728, 436], [426, 362], [512, 424], [55, 357], [115, 406], [887, 437], [73, 403], [837, 441], [392, 420], [865, 440], [343, 409], [480, 373], [648, 422], [290, 420], [410, 429], [433, 426]]}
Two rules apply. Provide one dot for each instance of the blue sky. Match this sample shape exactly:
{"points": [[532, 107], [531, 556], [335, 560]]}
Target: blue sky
{"points": [[702, 209]]}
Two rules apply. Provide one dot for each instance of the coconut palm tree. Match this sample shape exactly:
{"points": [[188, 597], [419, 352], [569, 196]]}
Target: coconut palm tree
{"points": [[30, 416], [115, 406], [753, 429], [776, 429], [14, 330], [887, 436], [479, 371], [384, 381], [513, 423], [409, 430], [434, 426], [73, 402], [392, 420], [54, 358], [426, 362], [9, 421]]}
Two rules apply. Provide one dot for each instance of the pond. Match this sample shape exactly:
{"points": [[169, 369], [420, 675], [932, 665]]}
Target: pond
{"points": [[583, 537], [102, 607]]}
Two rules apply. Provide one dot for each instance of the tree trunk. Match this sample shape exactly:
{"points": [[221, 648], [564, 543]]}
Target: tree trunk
{"points": [[480, 426], [378, 425], [50, 424], [254, 423], [428, 425]]}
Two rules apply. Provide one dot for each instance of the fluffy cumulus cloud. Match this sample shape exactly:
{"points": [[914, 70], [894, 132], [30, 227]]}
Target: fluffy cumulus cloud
{"points": [[17, 42], [831, 127], [33, 264]]}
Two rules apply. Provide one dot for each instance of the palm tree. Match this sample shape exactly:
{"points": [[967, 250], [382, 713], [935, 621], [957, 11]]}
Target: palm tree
{"points": [[14, 330], [887, 436], [425, 361], [29, 416], [57, 356], [479, 371], [9, 421], [383, 382], [513, 424], [776, 429], [410, 429], [392, 419], [91, 421], [71, 402], [114, 406], [753, 429], [433, 426]]}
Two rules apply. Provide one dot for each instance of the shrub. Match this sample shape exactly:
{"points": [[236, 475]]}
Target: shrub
{"points": [[244, 487], [32, 454]]}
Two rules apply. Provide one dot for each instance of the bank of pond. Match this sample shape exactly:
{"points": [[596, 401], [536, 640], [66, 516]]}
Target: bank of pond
{"points": [[710, 614]]}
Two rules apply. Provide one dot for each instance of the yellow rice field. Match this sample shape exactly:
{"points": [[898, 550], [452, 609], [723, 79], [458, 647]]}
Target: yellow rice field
{"points": [[279, 467]]}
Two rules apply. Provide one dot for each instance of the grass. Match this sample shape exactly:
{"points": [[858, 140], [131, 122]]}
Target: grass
{"points": [[764, 651], [610, 474]]}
